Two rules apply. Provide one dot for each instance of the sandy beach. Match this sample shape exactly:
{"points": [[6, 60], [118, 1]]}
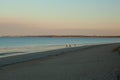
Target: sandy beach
{"points": [[92, 63]]}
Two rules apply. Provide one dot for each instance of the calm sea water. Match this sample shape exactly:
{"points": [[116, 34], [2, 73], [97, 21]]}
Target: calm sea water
{"points": [[10, 46]]}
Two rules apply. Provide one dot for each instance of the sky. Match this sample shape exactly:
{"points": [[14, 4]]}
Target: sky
{"points": [[60, 17]]}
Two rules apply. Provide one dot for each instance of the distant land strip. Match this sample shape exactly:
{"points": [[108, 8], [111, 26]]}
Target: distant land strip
{"points": [[60, 36]]}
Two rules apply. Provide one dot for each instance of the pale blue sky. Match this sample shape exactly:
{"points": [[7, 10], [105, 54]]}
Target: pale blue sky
{"points": [[58, 14], [64, 7]]}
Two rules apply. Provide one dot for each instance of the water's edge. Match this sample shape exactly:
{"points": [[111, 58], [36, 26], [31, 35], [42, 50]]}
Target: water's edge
{"points": [[6, 61]]}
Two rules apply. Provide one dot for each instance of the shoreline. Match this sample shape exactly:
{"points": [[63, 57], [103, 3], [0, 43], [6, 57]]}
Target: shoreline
{"points": [[11, 60]]}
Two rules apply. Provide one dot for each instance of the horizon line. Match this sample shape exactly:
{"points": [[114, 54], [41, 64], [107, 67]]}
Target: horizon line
{"points": [[61, 36]]}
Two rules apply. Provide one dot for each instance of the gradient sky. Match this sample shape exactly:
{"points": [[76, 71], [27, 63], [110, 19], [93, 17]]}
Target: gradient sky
{"points": [[59, 17]]}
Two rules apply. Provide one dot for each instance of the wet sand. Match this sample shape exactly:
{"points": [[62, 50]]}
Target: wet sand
{"points": [[92, 63]]}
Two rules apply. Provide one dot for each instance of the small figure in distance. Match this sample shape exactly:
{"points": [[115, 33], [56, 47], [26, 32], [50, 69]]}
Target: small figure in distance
{"points": [[69, 45]]}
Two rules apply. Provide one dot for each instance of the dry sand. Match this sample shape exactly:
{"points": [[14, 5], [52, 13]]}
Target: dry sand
{"points": [[93, 63]]}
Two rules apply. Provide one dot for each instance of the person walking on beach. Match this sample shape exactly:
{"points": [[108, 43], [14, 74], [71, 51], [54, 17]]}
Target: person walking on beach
{"points": [[69, 45], [66, 45]]}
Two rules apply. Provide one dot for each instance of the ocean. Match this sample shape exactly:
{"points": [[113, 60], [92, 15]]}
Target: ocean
{"points": [[10, 46]]}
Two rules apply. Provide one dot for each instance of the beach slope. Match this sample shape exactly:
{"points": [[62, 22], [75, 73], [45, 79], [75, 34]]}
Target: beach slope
{"points": [[93, 63]]}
